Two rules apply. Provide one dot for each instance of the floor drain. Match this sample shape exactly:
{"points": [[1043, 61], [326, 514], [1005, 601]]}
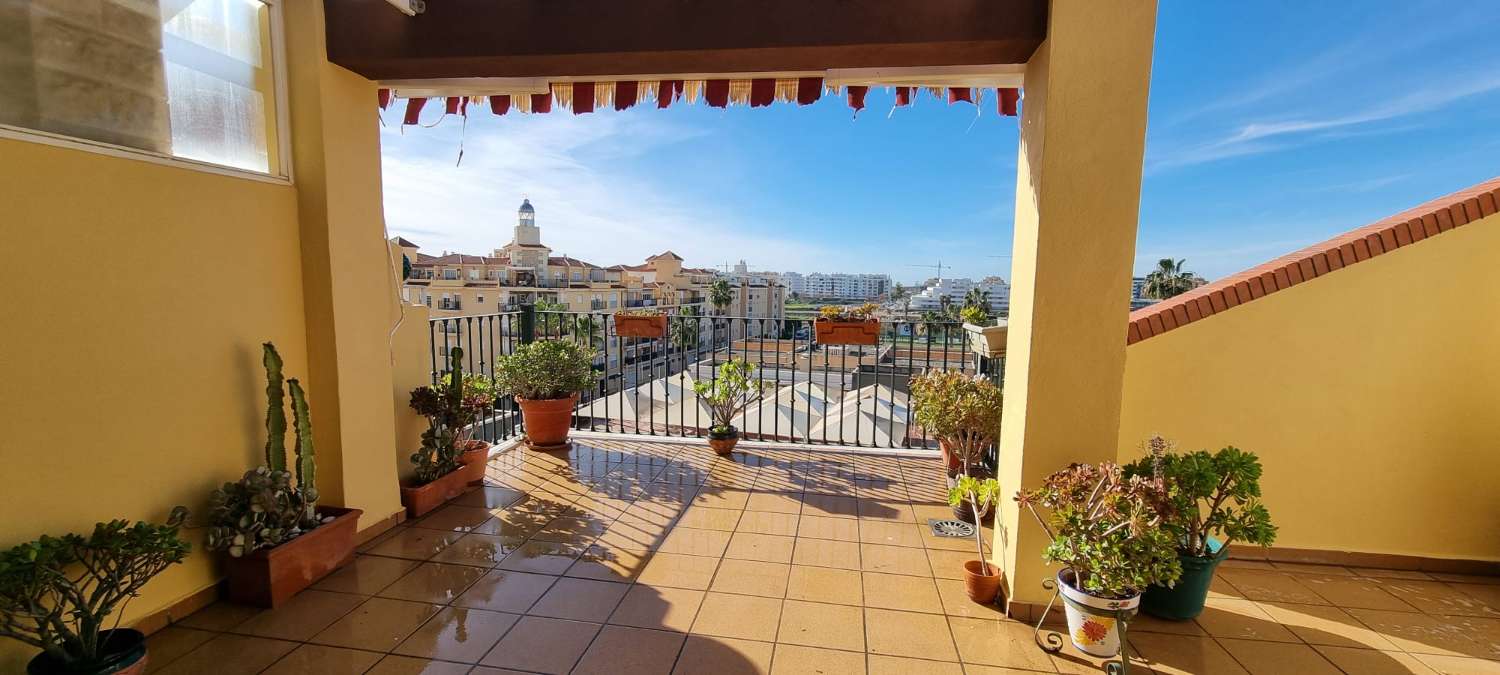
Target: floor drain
{"points": [[950, 528]]}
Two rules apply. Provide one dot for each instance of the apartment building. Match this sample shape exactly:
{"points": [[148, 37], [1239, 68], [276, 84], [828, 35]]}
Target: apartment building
{"points": [[837, 286], [932, 297]]}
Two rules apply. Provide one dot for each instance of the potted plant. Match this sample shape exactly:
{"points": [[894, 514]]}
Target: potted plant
{"points": [[456, 403], [981, 581], [727, 396], [837, 325], [277, 539], [1215, 499], [545, 377], [986, 335], [1108, 533], [640, 323], [963, 413], [56, 594]]}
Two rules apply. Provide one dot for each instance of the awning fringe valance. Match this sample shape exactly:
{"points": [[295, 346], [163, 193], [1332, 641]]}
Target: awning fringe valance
{"points": [[586, 97]]}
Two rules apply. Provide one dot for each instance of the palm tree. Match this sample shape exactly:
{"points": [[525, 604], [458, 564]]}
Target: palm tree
{"points": [[944, 302], [1169, 279], [902, 295], [720, 294], [977, 297], [684, 329]]}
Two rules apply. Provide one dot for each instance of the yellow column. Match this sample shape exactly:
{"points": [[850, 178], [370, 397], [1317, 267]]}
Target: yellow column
{"points": [[347, 270], [1078, 185]]}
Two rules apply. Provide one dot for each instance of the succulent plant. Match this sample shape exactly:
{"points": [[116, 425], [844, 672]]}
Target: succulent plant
{"points": [[451, 407]]}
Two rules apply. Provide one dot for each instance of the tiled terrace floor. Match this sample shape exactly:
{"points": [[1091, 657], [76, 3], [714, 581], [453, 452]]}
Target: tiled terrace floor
{"points": [[636, 557]]}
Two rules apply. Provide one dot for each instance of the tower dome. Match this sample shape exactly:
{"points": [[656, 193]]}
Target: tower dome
{"points": [[526, 232]]}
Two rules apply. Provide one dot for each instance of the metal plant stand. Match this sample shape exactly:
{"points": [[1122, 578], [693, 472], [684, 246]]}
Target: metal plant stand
{"points": [[1052, 641]]}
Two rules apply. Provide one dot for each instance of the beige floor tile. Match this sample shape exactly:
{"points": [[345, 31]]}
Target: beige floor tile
{"points": [[1007, 644], [679, 571], [1271, 586], [455, 518], [800, 660], [722, 498], [1151, 624], [890, 533], [1237, 564], [825, 553], [580, 600], [751, 577], [658, 608], [885, 510], [433, 582], [302, 616], [828, 527], [622, 650], [762, 547], [738, 616], [514, 524], [321, 660], [897, 665], [378, 625], [457, 634], [1483, 631], [171, 643], [489, 497], [1436, 597], [572, 530], [949, 564], [395, 664], [1185, 655], [1355, 592], [1225, 618], [903, 592], [774, 502], [1420, 633], [1458, 665], [956, 602], [829, 505], [1278, 658], [922, 636], [220, 616], [1383, 573], [708, 543], [542, 645], [705, 518], [825, 584], [231, 655], [1465, 578], [1312, 569], [764, 522], [478, 550], [367, 575], [723, 656], [1322, 625], [1374, 662], [415, 543], [894, 560], [542, 557], [601, 507], [817, 624], [505, 591], [609, 563]]}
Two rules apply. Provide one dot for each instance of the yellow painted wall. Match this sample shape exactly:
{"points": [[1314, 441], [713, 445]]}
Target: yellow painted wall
{"points": [[131, 357], [1372, 396]]}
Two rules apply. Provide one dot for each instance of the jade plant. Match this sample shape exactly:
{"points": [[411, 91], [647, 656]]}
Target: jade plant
{"points": [[729, 394], [57, 593], [451, 407], [962, 411], [1107, 529], [545, 370], [1212, 494], [267, 506], [979, 496]]}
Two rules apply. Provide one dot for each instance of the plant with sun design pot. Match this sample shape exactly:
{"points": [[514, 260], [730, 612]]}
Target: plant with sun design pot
{"points": [[981, 580], [57, 594], [1215, 499], [963, 412], [1108, 532], [457, 402], [545, 377], [727, 396]]}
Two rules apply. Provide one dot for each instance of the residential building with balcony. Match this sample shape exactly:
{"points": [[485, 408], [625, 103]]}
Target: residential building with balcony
{"points": [[953, 291], [836, 285]]}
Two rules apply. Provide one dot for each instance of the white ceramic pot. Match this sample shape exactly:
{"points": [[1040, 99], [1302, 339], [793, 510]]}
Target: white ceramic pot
{"points": [[1096, 633]]}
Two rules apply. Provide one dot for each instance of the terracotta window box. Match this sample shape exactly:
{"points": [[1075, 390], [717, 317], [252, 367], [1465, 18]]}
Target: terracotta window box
{"points": [[830, 332], [422, 499], [638, 326], [271, 576]]}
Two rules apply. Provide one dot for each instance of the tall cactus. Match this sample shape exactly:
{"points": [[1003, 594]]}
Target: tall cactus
{"points": [[275, 410], [454, 392], [306, 460]]}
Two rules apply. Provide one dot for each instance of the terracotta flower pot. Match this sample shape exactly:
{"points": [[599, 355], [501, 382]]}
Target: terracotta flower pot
{"points": [[474, 460], [640, 326], [982, 588], [723, 443], [830, 332], [123, 653], [547, 420], [270, 576], [420, 500]]}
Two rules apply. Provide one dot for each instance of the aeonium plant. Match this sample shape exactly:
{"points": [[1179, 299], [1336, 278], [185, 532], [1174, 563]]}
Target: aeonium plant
{"points": [[1107, 529], [1211, 495]]}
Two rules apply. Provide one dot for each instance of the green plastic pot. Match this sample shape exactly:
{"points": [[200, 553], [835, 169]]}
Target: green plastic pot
{"points": [[1185, 600]]}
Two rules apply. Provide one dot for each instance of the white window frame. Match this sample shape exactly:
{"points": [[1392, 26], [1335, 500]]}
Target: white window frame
{"points": [[281, 175]]}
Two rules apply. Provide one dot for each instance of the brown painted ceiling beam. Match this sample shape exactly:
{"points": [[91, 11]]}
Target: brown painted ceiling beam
{"points": [[540, 38]]}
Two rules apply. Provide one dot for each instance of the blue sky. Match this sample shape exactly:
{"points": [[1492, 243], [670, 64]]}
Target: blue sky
{"points": [[1272, 125]]}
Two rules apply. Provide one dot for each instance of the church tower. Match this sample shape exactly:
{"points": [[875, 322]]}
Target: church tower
{"points": [[527, 233]]}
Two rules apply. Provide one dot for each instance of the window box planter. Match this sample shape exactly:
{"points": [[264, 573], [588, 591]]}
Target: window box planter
{"points": [[640, 326], [422, 499], [988, 341], [270, 576], [830, 332]]}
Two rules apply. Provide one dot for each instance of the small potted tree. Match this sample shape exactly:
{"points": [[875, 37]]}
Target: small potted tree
{"points": [[847, 325], [277, 539], [57, 593], [726, 397], [545, 377], [981, 581], [963, 413], [640, 323], [1108, 532], [456, 403], [1215, 499]]}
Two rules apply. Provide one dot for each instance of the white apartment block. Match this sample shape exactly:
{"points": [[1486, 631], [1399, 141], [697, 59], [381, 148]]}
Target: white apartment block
{"points": [[931, 298], [837, 286]]}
